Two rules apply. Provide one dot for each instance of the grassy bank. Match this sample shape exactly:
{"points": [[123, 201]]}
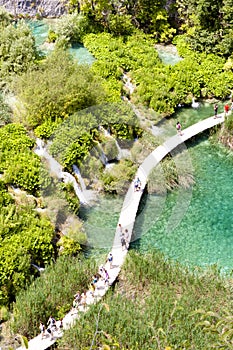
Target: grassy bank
{"points": [[152, 307]]}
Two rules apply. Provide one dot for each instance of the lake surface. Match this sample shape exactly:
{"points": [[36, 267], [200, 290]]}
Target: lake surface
{"points": [[204, 234]]}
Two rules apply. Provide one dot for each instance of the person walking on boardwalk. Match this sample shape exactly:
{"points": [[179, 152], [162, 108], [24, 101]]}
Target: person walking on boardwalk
{"points": [[178, 128], [126, 238], [42, 330], [215, 110], [123, 242], [120, 229], [110, 260], [226, 110]]}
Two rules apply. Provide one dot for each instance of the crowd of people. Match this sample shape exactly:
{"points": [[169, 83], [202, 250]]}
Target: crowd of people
{"points": [[51, 327]]}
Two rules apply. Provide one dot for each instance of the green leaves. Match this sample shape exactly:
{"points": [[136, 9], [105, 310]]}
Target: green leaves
{"points": [[57, 89], [17, 50], [21, 167]]}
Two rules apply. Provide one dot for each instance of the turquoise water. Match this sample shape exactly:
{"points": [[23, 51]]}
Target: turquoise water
{"points": [[40, 31], [81, 54], [100, 221], [168, 54], [204, 235], [192, 226]]}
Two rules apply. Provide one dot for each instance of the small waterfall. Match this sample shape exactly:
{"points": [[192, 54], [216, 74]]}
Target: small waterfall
{"points": [[103, 156], [194, 104], [68, 178], [127, 82], [120, 151], [80, 179], [54, 166], [56, 169]]}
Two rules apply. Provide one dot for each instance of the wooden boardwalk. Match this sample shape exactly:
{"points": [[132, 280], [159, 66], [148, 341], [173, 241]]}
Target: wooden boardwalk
{"points": [[127, 219]]}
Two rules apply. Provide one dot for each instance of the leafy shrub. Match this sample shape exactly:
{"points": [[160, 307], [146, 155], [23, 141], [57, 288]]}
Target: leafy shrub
{"points": [[117, 178], [21, 166], [17, 50], [57, 89]]}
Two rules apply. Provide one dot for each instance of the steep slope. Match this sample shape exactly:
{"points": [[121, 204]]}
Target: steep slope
{"points": [[45, 8]]}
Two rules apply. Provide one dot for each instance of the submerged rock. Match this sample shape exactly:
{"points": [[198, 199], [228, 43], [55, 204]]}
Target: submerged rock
{"points": [[44, 8]]}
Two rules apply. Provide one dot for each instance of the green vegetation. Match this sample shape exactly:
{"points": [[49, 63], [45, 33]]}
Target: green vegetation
{"points": [[19, 165], [78, 135], [117, 179], [152, 307], [52, 293], [25, 238], [158, 86], [119, 18], [57, 89], [208, 27], [17, 50]]}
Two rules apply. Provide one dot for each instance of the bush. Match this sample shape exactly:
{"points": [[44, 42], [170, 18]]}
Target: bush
{"points": [[57, 89], [117, 179]]}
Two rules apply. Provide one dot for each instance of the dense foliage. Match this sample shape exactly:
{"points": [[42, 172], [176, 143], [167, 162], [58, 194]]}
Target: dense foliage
{"points": [[81, 133], [208, 26], [57, 89], [20, 166], [158, 86], [119, 18], [25, 238], [152, 308], [17, 50]]}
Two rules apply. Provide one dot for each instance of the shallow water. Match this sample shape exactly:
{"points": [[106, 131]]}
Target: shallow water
{"points": [[204, 235], [168, 54], [192, 226], [100, 221], [40, 31]]}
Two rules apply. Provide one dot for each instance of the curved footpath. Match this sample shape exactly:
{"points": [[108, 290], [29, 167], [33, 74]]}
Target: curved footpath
{"points": [[127, 219]]}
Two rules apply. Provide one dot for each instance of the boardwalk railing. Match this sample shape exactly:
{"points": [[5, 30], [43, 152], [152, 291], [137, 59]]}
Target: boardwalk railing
{"points": [[127, 220]]}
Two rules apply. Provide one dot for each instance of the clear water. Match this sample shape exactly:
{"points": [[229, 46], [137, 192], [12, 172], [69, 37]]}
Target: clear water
{"points": [[168, 54], [40, 31], [204, 236], [100, 221], [192, 226], [81, 54]]}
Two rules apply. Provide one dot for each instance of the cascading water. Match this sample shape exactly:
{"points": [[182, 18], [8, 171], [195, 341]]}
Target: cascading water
{"points": [[128, 84], [80, 179], [56, 169]]}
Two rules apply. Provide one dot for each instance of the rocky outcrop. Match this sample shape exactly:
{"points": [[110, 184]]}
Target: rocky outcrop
{"points": [[44, 8]]}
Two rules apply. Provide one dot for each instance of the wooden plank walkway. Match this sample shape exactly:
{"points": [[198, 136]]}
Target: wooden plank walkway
{"points": [[127, 219]]}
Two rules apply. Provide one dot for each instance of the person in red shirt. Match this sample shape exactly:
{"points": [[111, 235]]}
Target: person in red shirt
{"points": [[226, 109]]}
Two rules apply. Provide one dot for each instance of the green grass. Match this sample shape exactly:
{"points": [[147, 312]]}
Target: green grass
{"points": [[51, 294], [151, 307]]}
